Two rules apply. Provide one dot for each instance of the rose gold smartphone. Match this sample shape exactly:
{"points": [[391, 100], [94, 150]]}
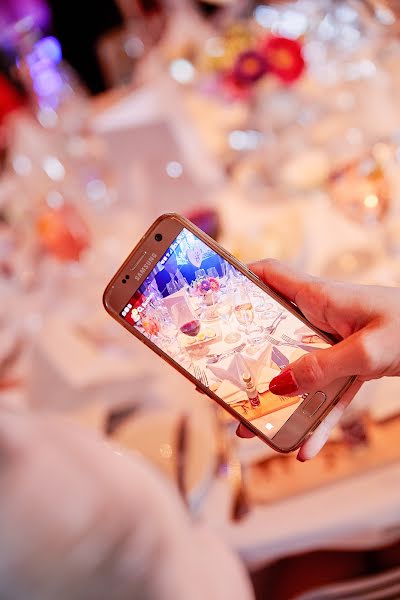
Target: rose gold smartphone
{"points": [[219, 325]]}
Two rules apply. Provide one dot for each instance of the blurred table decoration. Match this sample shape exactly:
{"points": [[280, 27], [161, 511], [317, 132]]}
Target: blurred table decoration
{"points": [[276, 132]]}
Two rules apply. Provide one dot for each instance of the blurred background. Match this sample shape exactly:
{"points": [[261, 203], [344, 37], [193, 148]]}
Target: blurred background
{"points": [[275, 126]]}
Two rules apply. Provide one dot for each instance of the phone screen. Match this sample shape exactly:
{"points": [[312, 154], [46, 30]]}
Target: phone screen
{"points": [[222, 328]]}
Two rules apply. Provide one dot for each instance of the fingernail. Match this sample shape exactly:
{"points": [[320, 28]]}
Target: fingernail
{"points": [[284, 383], [239, 432], [300, 459]]}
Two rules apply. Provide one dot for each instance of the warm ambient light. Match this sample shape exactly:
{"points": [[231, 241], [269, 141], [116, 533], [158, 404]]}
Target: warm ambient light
{"points": [[371, 201]]}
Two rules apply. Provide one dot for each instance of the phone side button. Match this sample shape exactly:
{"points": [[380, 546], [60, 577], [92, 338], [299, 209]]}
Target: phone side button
{"points": [[313, 404]]}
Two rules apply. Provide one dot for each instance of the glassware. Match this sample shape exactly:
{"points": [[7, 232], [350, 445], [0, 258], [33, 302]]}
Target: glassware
{"points": [[225, 269], [200, 274], [365, 193], [224, 310], [260, 304], [159, 326], [182, 282], [231, 275], [172, 287], [244, 312], [361, 191], [185, 318], [212, 272], [122, 49], [225, 273]]}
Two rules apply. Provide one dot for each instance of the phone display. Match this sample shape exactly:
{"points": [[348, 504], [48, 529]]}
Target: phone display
{"points": [[222, 328]]}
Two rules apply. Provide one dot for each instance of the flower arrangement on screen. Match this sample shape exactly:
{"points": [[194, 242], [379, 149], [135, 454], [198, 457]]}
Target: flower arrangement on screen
{"points": [[207, 286], [239, 59]]}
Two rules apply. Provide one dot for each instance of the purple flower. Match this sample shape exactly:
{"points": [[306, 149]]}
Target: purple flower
{"points": [[205, 285], [250, 66]]}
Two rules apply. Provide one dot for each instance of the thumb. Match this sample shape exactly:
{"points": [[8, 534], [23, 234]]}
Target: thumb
{"points": [[316, 370]]}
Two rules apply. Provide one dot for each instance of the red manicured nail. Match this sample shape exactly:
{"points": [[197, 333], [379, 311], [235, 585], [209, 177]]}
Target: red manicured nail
{"points": [[284, 383]]}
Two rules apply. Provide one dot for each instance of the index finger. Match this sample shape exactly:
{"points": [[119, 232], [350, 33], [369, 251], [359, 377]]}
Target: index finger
{"points": [[282, 278]]}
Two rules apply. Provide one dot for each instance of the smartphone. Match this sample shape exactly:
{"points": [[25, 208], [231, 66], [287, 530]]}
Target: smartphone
{"points": [[218, 324]]}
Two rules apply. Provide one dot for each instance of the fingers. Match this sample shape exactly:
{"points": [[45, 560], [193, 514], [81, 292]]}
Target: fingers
{"points": [[243, 432], [310, 294], [320, 436], [316, 370], [281, 277]]}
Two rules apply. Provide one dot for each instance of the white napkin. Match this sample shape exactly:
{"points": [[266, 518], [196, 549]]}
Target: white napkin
{"points": [[231, 371], [229, 393], [233, 367]]}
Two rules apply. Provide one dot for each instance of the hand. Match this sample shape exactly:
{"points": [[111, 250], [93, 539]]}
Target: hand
{"points": [[81, 521], [365, 318]]}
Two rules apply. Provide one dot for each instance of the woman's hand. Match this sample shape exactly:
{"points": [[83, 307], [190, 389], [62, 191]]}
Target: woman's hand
{"points": [[365, 318]]}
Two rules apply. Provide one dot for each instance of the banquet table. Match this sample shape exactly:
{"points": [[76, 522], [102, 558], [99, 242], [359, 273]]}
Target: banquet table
{"points": [[144, 131]]}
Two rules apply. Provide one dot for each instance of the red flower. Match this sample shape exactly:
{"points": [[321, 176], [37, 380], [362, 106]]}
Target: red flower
{"points": [[250, 66], [284, 58], [233, 89]]}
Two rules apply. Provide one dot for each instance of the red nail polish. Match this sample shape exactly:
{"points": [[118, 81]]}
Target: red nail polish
{"points": [[302, 460], [284, 383]]}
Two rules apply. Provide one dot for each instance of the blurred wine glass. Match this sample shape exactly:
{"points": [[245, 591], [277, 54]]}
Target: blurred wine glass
{"points": [[66, 154], [363, 191]]}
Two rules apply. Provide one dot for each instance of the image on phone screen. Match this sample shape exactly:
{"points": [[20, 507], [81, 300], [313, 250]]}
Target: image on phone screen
{"points": [[222, 328]]}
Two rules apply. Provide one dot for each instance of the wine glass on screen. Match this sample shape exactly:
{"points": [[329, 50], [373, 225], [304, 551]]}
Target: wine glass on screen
{"points": [[230, 275], [212, 272], [182, 282], [243, 308], [259, 300], [224, 310], [244, 314], [167, 336], [172, 287], [185, 318], [200, 274]]}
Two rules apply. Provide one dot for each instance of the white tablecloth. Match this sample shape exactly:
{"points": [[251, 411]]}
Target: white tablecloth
{"points": [[359, 512]]}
